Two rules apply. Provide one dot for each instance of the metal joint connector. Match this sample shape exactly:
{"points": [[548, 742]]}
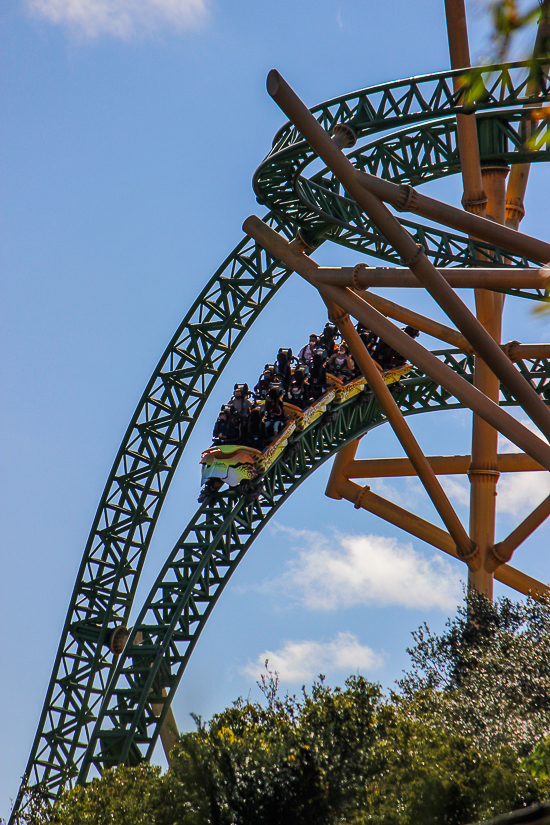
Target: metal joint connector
{"points": [[345, 135], [303, 238], [357, 503], [497, 555], [470, 555], [507, 348], [338, 318], [419, 252], [515, 211], [473, 202], [409, 194], [484, 473], [354, 279]]}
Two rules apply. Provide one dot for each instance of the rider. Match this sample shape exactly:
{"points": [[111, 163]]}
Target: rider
{"points": [[306, 353], [340, 363], [274, 414], [297, 393], [264, 383]]}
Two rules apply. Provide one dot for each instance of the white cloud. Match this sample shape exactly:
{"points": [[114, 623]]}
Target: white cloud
{"points": [[121, 18], [457, 489], [409, 492], [519, 493], [303, 661], [343, 571]]}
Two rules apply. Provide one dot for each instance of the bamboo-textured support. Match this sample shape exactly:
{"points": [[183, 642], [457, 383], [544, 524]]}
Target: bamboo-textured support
{"points": [[483, 471], [516, 351], [441, 465], [517, 184], [421, 322], [364, 498], [406, 199], [521, 436], [412, 255], [466, 549], [474, 196], [504, 549], [365, 277], [169, 733], [342, 458]]}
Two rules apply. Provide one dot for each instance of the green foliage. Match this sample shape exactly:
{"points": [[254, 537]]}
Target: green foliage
{"points": [[510, 17], [538, 761], [125, 796], [293, 761], [466, 738], [488, 674]]}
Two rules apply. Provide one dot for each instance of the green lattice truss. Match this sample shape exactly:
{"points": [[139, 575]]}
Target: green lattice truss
{"points": [[97, 710]]}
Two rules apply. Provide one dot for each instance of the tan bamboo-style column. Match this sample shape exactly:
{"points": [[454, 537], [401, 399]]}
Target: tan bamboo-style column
{"points": [[517, 185], [474, 198], [169, 733], [362, 276], [351, 302], [441, 464], [465, 548], [483, 472]]}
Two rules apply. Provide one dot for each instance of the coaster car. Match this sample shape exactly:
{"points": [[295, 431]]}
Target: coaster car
{"points": [[240, 466]]}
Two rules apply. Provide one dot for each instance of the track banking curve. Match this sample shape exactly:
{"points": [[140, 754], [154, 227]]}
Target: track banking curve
{"points": [[97, 709]]}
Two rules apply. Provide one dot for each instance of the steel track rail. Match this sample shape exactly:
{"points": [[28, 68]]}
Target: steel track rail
{"points": [[408, 155], [173, 399], [207, 554]]}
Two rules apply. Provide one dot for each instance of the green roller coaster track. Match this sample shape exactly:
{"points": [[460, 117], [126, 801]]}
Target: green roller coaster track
{"points": [[97, 710]]}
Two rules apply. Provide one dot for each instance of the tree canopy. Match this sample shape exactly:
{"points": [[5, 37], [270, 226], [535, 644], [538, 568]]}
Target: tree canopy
{"points": [[464, 736]]}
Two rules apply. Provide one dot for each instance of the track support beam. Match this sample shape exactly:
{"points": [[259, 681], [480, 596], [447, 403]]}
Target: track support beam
{"points": [[291, 255], [413, 255], [364, 498], [441, 464], [466, 548]]}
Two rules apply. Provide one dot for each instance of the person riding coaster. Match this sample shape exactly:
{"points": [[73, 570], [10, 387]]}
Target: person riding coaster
{"points": [[327, 339], [249, 436], [264, 382], [298, 391], [283, 367], [306, 353], [340, 364]]}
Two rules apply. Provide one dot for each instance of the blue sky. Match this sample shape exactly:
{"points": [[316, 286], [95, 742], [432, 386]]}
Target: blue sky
{"points": [[131, 132]]}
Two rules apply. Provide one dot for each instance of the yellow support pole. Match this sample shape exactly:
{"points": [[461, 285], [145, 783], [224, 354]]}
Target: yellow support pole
{"points": [[466, 548], [474, 198], [483, 472], [341, 460], [495, 415], [367, 277], [363, 498], [519, 176], [441, 465]]}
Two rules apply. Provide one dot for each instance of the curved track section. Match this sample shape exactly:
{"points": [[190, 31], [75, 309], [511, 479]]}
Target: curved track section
{"points": [[202, 346], [209, 550], [131, 504], [424, 150]]}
